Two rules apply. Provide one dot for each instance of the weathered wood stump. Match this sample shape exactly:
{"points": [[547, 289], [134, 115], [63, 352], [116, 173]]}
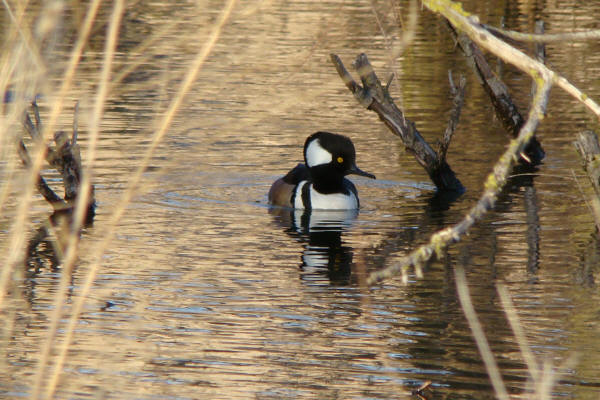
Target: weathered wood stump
{"points": [[65, 157]]}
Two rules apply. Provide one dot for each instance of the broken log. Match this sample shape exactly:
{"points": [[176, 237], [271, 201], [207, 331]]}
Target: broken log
{"points": [[375, 97]]}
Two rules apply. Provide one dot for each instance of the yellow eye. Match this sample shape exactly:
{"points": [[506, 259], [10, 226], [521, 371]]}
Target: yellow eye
{"points": [[340, 160]]}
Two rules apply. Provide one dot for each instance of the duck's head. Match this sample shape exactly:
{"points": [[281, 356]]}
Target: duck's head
{"points": [[333, 153]]}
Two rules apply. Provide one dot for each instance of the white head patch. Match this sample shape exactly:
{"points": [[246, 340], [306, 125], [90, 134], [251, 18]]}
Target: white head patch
{"points": [[317, 155]]}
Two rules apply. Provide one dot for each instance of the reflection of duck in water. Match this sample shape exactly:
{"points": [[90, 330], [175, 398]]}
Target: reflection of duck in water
{"points": [[320, 183], [324, 250], [324, 201]]}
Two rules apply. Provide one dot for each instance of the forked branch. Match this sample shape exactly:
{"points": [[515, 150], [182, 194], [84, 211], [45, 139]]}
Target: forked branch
{"points": [[494, 184], [375, 97]]}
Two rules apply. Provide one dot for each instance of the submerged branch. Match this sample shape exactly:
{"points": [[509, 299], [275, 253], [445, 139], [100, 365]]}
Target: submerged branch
{"points": [[375, 97], [65, 157], [493, 186]]}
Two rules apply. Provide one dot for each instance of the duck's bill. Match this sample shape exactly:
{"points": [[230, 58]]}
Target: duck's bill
{"points": [[357, 171]]}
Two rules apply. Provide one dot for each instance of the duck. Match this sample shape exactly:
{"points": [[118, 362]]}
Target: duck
{"points": [[320, 183]]}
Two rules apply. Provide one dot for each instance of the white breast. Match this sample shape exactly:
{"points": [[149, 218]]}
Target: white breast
{"points": [[335, 201], [320, 201]]}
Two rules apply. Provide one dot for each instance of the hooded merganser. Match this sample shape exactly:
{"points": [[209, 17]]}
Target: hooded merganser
{"points": [[320, 183]]}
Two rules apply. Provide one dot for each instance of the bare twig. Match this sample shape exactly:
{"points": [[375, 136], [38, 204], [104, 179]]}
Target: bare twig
{"points": [[75, 123], [30, 127], [541, 37], [373, 96], [493, 186], [38, 119], [540, 48], [589, 148], [458, 100]]}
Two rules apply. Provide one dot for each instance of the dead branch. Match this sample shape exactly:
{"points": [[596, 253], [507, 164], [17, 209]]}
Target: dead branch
{"points": [[493, 186], [506, 109], [375, 97], [470, 25]]}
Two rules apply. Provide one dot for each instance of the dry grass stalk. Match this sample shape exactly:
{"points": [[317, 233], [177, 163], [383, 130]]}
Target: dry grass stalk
{"points": [[543, 376], [81, 206], [491, 366], [131, 190]]}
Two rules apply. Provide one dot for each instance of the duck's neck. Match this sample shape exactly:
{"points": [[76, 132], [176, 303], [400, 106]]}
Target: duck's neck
{"points": [[326, 181]]}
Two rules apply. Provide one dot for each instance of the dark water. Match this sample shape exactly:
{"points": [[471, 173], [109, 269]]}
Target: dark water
{"points": [[206, 293]]}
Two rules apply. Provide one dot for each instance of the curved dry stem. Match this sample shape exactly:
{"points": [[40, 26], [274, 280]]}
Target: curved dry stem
{"points": [[491, 366], [515, 324]]}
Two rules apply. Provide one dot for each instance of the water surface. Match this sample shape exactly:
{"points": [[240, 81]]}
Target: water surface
{"points": [[207, 293]]}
